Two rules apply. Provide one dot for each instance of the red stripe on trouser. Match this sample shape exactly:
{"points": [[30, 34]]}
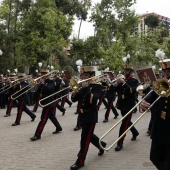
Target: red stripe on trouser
{"points": [[109, 108], [8, 112], [20, 109], [86, 145], [125, 128], [100, 101], [42, 123], [63, 101], [36, 105]]}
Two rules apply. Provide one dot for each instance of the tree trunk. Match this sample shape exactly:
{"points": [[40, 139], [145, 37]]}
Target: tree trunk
{"points": [[79, 28]]}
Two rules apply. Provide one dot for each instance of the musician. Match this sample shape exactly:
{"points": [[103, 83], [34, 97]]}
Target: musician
{"points": [[22, 100], [2, 94], [65, 92], [47, 88], [111, 96], [88, 96], [126, 90], [58, 84], [11, 103], [38, 95], [78, 111], [102, 98], [160, 133]]}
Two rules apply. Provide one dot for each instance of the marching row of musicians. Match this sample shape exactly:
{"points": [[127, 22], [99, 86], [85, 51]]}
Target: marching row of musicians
{"points": [[89, 97]]}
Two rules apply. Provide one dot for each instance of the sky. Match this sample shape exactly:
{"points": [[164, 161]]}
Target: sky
{"points": [[160, 7]]}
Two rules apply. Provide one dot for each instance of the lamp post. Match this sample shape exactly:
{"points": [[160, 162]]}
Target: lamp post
{"points": [[0, 59], [52, 67], [40, 65], [128, 57], [16, 70]]}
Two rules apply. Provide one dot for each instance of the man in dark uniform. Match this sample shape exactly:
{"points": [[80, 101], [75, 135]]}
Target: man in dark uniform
{"points": [[37, 95], [2, 92], [111, 96], [65, 92], [58, 84], [47, 87], [90, 93], [102, 98], [12, 82], [160, 133], [22, 100], [126, 90]]}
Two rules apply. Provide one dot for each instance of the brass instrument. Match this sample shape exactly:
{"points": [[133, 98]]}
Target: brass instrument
{"points": [[33, 81], [31, 85], [11, 84], [119, 76], [22, 91], [161, 87], [74, 85]]}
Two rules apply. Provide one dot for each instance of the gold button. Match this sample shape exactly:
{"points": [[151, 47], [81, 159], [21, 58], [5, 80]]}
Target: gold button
{"points": [[166, 101], [165, 107]]}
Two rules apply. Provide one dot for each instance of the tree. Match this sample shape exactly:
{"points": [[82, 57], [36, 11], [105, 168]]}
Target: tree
{"points": [[152, 21]]}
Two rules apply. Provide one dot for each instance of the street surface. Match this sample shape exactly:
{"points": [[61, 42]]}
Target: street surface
{"points": [[59, 151]]}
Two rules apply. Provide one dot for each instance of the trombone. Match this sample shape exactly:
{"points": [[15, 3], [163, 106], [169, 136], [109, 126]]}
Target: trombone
{"points": [[74, 85], [30, 85], [162, 88], [8, 86], [119, 76]]}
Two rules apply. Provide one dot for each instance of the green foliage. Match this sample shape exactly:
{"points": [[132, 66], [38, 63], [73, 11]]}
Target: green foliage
{"points": [[152, 21], [36, 31]]}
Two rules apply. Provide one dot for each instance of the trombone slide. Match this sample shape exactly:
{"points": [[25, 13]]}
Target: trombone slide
{"points": [[107, 149], [19, 93]]}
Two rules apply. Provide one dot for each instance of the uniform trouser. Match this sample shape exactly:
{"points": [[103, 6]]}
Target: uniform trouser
{"points": [[10, 105], [65, 99], [126, 123], [2, 100], [79, 116], [150, 123], [109, 107], [59, 107], [47, 112], [102, 99], [87, 136], [22, 107], [160, 155], [36, 104], [32, 98]]}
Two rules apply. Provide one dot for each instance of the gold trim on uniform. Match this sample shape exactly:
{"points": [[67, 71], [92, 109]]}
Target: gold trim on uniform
{"points": [[91, 98], [163, 115]]}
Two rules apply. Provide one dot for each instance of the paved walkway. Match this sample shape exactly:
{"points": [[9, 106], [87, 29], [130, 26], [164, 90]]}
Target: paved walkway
{"points": [[59, 151]]}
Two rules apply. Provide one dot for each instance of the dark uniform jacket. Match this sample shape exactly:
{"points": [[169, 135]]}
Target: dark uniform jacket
{"points": [[22, 88], [58, 84], [161, 121], [66, 91], [2, 85], [47, 89], [88, 102], [111, 92], [127, 94]]}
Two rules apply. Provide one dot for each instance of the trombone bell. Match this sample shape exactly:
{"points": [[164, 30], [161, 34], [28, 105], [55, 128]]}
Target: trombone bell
{"points": [[162, 87]]}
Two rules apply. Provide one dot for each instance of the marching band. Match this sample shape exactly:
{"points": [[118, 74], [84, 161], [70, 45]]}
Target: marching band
{"points": [[51, 90]]}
